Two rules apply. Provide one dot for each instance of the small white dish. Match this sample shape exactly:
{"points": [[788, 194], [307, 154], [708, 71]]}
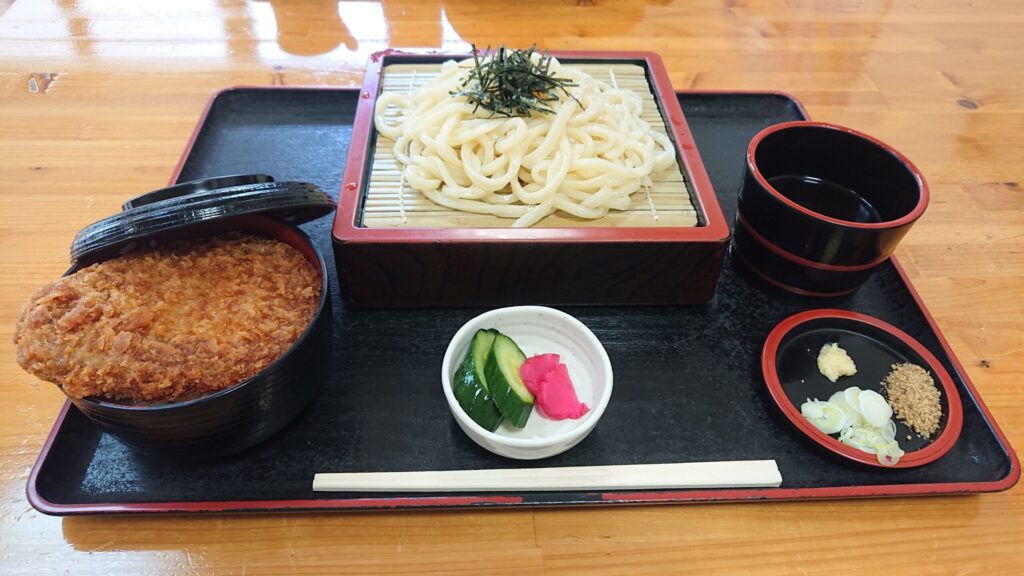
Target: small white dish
{"points": [[537, 330]]}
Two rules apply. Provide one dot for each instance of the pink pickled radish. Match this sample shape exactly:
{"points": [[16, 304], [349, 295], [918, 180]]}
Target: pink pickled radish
{"points": [[553, 391]]}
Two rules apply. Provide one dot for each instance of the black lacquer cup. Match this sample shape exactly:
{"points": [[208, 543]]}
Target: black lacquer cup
{"points": [[821, 206]]}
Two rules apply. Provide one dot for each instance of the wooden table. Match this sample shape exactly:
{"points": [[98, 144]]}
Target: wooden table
{"points": [[99, 96]]}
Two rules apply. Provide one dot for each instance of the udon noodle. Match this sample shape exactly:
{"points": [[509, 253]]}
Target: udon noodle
{"points": [[586, 158]]}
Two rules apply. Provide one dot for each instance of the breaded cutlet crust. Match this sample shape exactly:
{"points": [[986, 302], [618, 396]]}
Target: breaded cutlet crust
{"points": [[171, 323]]}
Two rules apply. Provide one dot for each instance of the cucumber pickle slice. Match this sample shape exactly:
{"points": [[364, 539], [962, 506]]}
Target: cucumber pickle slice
{"points": [[504, 382], [470, 385]]}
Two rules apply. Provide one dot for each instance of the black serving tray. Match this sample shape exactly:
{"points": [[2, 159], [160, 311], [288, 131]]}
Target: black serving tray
{"points": [[688, 384]]}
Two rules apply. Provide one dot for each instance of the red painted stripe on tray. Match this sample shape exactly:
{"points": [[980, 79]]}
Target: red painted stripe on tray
{"points": [[31, 487], [833, 492], [1014, 475], [195, 134], [404, 502]]}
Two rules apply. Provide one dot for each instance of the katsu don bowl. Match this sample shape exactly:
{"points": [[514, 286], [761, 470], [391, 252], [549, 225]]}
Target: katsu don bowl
{"points": [[197, 362]]}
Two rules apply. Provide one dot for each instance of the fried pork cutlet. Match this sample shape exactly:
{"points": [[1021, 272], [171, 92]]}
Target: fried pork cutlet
{"points": [[171, 323]]}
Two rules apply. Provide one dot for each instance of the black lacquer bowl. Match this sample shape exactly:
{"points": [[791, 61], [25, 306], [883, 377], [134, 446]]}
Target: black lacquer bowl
{"points": [[822, 206], [243, 415]]}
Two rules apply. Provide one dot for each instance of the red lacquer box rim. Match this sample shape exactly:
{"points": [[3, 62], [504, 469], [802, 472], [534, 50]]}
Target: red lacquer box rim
{"points": [[346, 229]]}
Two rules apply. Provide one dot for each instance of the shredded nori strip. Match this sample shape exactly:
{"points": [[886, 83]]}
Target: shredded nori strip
{"points": [[512, 83]]}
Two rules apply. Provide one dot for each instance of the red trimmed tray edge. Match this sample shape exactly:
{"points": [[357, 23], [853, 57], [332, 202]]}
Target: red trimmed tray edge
{"points": [[930, 453], [720, 495]]}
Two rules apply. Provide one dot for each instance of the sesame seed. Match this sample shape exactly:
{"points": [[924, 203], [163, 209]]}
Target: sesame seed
{"points": [[911, 392]]}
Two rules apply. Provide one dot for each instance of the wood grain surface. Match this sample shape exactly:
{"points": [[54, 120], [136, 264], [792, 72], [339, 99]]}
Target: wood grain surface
{"points": [[99, 96]]}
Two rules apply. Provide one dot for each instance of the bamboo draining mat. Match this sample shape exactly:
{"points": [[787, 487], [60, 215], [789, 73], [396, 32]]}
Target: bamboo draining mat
{"points": [[389, 203]]}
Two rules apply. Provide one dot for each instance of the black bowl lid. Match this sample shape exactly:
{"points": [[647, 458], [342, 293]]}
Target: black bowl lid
{"points": [[198, 202]]}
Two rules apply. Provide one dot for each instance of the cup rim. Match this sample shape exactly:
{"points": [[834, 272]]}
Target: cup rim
{"points": [[909, 217]]}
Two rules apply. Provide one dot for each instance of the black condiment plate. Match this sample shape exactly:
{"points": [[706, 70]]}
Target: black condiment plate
{"points": [[688, 383], [789, 361]]}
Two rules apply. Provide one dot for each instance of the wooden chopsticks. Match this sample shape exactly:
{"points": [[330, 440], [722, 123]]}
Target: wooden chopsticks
{"points": [[690, 475]]}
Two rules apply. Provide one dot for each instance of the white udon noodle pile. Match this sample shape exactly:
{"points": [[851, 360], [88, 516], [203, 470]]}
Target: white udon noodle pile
{"points": [[586, 158]]}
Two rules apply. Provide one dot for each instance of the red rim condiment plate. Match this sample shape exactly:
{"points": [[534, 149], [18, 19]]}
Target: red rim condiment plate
{"points": [[792, 348]]}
